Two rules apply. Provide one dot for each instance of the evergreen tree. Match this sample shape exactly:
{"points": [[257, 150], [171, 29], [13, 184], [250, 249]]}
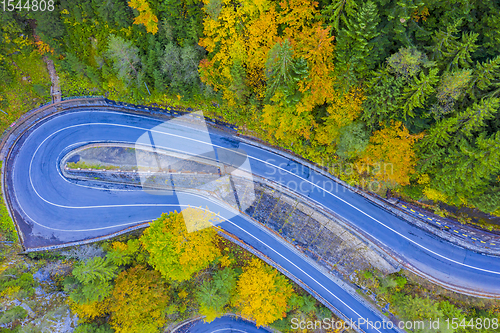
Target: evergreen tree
{"points": [[283, 71], [418, 91], [486, 79], [459, 53], [442, 40], [214, 295], [354, 44], [93, 281], [338, 11], [125, 57]]}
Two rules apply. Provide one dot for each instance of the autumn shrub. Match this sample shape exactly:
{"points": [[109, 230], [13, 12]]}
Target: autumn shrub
{"points": [[89, 311], [16, 283]]}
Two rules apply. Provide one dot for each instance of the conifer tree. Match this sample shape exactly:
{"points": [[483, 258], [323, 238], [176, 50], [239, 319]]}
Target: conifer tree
{"points": [[486, 79], [420, 89], [459, 53], [353, 44]]}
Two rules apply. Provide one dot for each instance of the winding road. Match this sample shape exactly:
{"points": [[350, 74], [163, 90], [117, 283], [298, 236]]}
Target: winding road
{"points": [[51, 209]]}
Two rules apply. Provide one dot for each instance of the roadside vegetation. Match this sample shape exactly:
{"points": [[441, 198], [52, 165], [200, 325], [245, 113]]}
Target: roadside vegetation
{"points": [[412, 299], [85, 165], [153, 280]]}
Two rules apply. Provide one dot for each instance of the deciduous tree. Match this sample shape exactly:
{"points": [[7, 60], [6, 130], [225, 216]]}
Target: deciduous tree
{"points": [[176, 253], [262, 294], [146, 15], [139, 299], [391, 152]]}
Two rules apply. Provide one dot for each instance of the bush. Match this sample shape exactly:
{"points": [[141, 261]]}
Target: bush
{"points": [[7, 227], [12, 315], [25, 282], [93, 328]]}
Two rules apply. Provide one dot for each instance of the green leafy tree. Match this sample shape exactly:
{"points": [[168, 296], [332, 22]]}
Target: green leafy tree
{"points": [[406, 63], [416, 308], [122, 254], [93, 328], [353, 140], [451, 88]]}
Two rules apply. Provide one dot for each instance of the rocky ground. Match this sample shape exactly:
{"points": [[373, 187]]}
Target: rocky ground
{"points": [[33, 300]]}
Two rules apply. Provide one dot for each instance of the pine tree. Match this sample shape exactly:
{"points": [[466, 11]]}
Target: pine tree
{"points": [[283, 71], [486, 79], [459, 53], [353, 44], [338, 11], [442, 40], [96, 268], [420, 89], [125, 58]]}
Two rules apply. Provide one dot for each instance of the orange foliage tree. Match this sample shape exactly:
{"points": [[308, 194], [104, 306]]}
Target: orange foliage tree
{"points": [[139, 299], [262, 293], [391, 154]]}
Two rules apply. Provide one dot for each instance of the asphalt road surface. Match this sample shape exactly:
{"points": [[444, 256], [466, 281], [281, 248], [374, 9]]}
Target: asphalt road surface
{"points": [[226, 324], [56, 210]]}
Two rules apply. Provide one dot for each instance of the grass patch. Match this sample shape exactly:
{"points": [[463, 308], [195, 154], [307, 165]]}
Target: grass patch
{"points": [[84, 165]]}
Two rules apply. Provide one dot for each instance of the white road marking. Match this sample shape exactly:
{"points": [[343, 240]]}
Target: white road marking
{"points": [[262, 161]]}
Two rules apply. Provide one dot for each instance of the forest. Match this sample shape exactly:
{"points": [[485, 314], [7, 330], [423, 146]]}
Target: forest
{"points": [[389, 95], [399, 97]]}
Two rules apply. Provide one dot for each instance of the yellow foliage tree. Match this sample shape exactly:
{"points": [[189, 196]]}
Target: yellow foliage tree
{"points": [[139, 299], [391, 153], [146, 15], [238, 40], [262, 293], [342, 110], [176, 252], [88, 312]]}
